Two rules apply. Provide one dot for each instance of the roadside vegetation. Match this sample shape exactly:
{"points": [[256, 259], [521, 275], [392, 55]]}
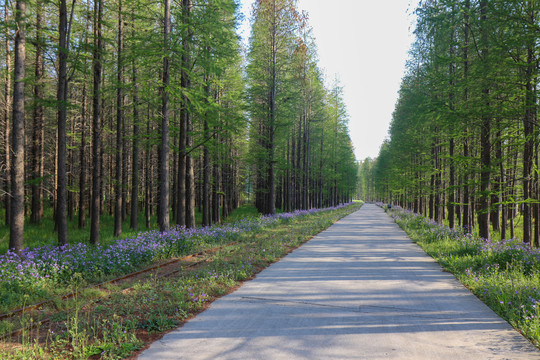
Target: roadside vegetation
{"points": [[116, 322], [504, 274]]}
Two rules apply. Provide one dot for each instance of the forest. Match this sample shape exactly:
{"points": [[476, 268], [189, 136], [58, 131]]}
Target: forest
{"points": [[157, 113], [464, 139]]}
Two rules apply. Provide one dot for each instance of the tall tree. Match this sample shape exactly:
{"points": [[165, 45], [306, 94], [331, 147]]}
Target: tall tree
{"points": [[163, 215], [119, 124], [134, 215], [271, 44], [62, 91], [485, 134]]}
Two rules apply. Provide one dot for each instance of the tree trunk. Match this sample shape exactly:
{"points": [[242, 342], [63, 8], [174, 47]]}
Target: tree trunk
{"points": [[16, 228], [82, 160], [163, 207], [148, 176], [206, 219], [190, 180], [61, 190], [216, 195], [119, 127], [528, 146], [96, 124], [38, 134], [134, 223], [7, 126], [465, 220], [485, 142]]}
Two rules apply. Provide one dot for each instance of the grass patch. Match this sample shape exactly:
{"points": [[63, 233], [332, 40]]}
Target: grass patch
{"points": [[43, 234], [504, 274]]}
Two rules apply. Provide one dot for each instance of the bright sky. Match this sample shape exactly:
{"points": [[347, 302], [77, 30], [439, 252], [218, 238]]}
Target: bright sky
{"points": [[364, 43]]}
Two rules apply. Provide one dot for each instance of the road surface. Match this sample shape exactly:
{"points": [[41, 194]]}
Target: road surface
{"points": [[359, 290]]}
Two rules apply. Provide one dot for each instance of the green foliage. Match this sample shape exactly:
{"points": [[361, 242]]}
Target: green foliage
{"points": [[462, 135], [299, 143]]}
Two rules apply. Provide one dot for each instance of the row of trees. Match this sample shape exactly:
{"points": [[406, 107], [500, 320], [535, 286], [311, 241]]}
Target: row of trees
{"points": [[300, 147], [125, 106], [464, 137]]}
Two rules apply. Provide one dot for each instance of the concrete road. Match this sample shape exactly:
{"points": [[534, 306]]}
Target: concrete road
{"points": [[359, 290]]}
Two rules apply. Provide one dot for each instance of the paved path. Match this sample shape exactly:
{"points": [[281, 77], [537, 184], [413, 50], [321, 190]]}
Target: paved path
{"points": [[359, 290]]}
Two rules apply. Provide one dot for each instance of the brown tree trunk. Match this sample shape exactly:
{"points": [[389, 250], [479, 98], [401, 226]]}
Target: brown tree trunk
{"points": [[134, 223], [163, 206], [496, 195], [216, 195], [38, 134], [7, 126], [119, 126], [190, 181], [148, 176], [61, 190], [16, 228], [69, 172], [485, 141], [206, 219], [528, 146], [82, 152], [96, 122], [82, 160], [465, 219]]}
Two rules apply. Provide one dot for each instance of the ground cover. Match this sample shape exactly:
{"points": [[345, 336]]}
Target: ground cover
{"points": [[504, 274], [44, 234], [125, 321]]}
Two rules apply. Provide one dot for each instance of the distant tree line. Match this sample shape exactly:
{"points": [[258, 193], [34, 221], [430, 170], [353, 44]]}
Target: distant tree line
{"points": [[464, 139], [127, 107]]}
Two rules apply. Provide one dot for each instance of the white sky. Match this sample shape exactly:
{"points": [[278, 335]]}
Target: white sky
{"points": [[364, 43]]}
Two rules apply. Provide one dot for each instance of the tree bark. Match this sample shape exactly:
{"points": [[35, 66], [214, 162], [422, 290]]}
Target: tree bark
{"points": [[465, 220], [119, 126], [206, 219], [163, 206], [16, 228], [134, 223], [82, 160], [96, 122], [7, 126], [528, 146], [61, 190], [38, 134]]}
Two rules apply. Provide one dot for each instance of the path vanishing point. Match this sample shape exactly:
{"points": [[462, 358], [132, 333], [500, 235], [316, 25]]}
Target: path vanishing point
{"points": [[359, 290]]}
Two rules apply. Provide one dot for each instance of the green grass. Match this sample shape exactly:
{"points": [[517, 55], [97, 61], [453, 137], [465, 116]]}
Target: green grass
{"points": [[242, 212], [44, 234]]}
